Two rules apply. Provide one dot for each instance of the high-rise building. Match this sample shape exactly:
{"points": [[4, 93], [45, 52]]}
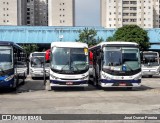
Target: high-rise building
{"points": [[36, 13], [61, 12], [24, 12], [116, 13], [8, 12]]}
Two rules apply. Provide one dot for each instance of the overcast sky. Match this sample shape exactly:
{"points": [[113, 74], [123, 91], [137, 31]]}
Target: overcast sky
{"points": [[87, 12]]}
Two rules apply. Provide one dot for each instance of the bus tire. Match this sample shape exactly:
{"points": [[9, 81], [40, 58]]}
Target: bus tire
{"points": [[150, 76], [14, 88]]}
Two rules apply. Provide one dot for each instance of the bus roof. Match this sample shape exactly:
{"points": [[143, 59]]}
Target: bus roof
{"points": [[69, 44], [9, 43], [121, 43]]}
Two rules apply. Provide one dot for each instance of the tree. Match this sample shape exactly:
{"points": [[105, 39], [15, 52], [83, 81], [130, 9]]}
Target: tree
{"points": [[132, 33], [30, 48], [88, 36]]}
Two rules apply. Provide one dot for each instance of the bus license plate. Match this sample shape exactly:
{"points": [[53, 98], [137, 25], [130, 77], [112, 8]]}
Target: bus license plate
{"points": [[69, 83], [122, 84]]}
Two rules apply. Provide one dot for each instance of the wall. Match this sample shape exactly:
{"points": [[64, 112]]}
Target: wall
{"points": [[45, 34]]}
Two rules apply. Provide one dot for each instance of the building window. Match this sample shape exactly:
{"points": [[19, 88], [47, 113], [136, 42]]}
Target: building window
{"points": [[28, 22]]}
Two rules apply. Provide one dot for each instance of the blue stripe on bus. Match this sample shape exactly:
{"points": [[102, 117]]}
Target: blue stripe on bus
{"points": [[114, 81]]}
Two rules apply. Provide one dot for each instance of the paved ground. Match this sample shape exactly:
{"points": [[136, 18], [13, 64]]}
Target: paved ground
{"points": [[32, 98]]}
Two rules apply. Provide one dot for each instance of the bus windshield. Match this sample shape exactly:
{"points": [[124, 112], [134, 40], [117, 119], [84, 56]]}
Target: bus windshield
{"points": [[150, 59], [69, 60], [37, 62], [6, 58], [117, 57]]}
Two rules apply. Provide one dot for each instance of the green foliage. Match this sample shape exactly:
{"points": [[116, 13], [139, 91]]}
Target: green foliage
{"points": [[30, 48], [88, 36], [132, 33]]}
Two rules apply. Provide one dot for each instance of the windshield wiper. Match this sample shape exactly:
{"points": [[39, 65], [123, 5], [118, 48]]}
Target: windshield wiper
{"points": [[64, 66], [74, 65]]}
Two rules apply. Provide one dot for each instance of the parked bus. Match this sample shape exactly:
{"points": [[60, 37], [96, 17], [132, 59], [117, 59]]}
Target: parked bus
{"points": [[150, 63], [13, 66], [116, 64], [36, 64], [69, 64]]}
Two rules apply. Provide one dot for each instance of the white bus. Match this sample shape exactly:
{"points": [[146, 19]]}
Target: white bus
{"points": [[36, 65], [69, 65], [116, 64], [150, 63]]}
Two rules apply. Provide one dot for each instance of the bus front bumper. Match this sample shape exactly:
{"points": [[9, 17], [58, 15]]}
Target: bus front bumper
{"points": [[68, 83], [120, 83]]}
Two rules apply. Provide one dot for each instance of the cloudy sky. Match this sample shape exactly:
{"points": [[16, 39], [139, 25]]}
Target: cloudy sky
{"points": [[87, 12]]}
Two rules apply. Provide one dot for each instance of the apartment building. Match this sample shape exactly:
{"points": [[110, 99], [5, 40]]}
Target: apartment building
{"points": [[116, 13], [24, 12], [36, 13], [8, 12], [61, 12]]}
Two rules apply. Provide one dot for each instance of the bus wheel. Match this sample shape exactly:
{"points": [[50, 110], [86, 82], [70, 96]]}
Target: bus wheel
{"points": [[14, 88]]}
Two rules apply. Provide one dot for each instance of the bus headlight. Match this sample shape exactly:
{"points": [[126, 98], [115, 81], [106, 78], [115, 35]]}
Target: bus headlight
{"points": [[138, 77], [86, 77], [9, 78], [106, 77], [54, 77]]}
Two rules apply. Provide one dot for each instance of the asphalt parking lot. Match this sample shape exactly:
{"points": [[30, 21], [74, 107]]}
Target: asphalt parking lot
{"points": [[32, 98]]}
